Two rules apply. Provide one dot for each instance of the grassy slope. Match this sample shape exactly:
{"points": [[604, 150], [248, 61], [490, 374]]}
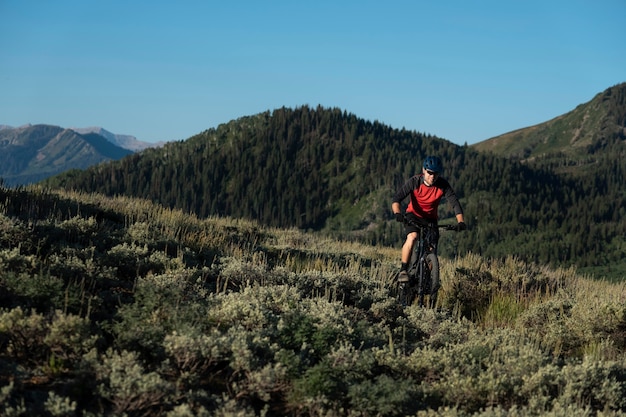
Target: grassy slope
{"points": [[120, 306], [567, 136], [324, 169]]}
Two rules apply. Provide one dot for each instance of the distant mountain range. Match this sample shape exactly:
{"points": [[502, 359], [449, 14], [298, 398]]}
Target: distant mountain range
{"points": [[123, 141], [31, 153]]}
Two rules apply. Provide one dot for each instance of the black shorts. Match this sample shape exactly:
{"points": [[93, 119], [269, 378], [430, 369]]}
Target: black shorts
{"points": [[432, 232], [410, 228]]}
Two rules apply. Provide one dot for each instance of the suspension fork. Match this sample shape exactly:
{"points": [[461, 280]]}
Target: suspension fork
{"points": [[421, 248]]}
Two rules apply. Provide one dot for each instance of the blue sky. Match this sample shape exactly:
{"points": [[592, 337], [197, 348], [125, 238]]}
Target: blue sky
{"points": [[166, 70]]}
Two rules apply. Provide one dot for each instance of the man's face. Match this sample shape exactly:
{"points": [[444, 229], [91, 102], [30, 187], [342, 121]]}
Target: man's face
{"points": [[429, 176]]}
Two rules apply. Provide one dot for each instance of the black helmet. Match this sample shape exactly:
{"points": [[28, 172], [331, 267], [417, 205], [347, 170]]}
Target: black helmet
{"points": [[433, 163]]}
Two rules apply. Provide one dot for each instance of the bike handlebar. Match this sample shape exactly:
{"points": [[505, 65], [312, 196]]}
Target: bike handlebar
{"points": [[419, 222], [449, 227]]}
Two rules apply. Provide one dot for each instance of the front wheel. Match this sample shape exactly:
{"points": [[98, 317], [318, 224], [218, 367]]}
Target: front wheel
{"points": [[433, 265]]}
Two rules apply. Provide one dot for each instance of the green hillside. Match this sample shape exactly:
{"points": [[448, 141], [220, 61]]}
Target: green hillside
{"points": [[120, 307], [327, 170], [289, 168], [574, 142]]}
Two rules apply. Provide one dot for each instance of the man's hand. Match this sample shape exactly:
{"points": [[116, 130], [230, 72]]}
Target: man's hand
{"points": [[399, 217], [461, 226]]}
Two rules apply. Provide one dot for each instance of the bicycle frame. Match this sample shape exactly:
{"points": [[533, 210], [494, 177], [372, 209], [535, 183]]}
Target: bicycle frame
{"points": [[423, 260]]}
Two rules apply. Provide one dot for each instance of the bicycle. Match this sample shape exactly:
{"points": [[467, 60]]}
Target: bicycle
{"points": [[422, 264]]}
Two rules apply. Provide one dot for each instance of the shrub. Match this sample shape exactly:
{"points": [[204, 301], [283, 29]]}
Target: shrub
{"points": [[69, 337], [128, 259], [79, 230], [484, 370], [10, 404], [255, 307], [14, 260], [155, 311], [22, 335], [40, 291], [193, 355], [546, 322], [598, 385], [384, 396], [59, 406], [13, 233], [469, 294], [123, 382]]}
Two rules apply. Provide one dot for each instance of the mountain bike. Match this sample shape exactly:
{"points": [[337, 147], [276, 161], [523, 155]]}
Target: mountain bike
{"points": [[423, 265]]}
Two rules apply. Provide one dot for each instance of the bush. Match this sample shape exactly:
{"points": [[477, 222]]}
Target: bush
{"points": [[124, 383], [22, 335], [598, 385], [69, 337], [121, 307], [384, 396]]}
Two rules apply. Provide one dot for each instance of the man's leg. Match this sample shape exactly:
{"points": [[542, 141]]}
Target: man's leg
{"points": [[406, 256]]}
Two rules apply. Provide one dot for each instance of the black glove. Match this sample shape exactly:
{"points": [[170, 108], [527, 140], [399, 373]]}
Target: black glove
{"points": [[461, 226], [400, 217]]}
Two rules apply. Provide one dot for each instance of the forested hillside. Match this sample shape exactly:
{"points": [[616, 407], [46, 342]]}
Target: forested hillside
{"points": [[327, 170], [576, 142]]}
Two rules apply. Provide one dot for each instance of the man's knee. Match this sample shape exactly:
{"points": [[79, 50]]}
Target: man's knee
{"points": [[411, 237]]}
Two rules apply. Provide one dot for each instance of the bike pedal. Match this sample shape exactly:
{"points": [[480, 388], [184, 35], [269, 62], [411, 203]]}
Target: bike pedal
{"points": [[403, 276]]}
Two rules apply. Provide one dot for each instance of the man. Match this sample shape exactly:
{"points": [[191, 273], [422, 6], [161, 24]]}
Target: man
{"points": [[425, 191]]}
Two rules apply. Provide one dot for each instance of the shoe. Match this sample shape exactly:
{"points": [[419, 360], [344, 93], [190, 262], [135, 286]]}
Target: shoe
{"points": [[403, 276]]}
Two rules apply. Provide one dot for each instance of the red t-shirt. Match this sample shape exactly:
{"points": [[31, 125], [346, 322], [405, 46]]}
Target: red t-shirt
{"points": [[424, 200]]}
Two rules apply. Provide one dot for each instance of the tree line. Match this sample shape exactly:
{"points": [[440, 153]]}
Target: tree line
{"points": [[324, 169]]}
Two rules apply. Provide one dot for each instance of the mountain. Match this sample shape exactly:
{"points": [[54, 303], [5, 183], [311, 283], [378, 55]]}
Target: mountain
{"points": [[33, 152], [327, 170], [123, 141], [578, 138], [287, 168]]}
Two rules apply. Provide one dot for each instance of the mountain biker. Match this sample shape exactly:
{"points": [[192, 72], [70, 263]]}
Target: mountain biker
{"points": [[425, 191]]}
